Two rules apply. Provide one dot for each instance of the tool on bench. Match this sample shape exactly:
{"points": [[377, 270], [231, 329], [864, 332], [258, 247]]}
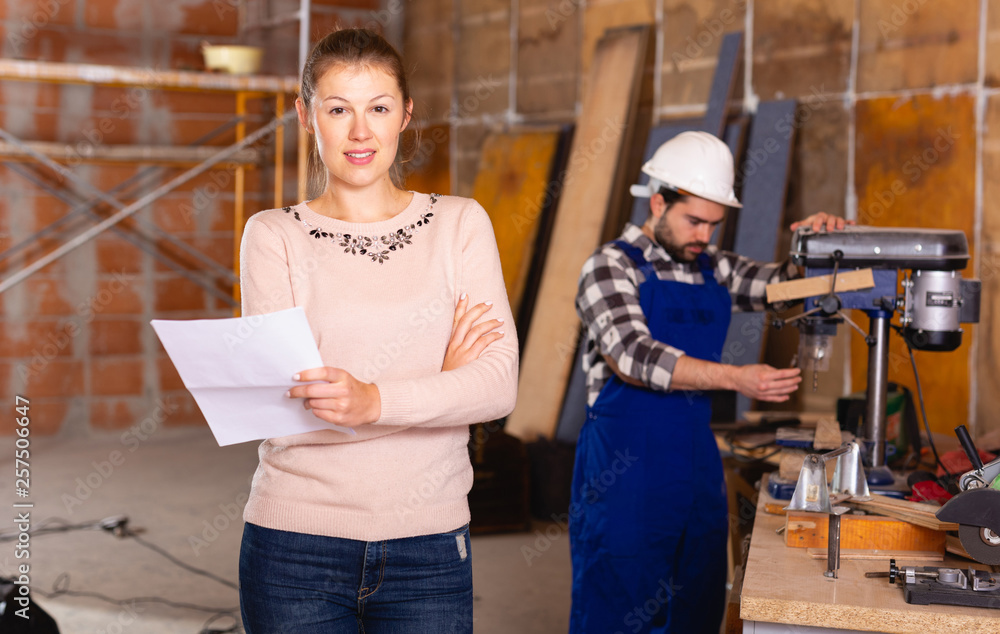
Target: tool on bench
{"points": [[935, 302], [976, 509], [944, 586], [812, 494]]}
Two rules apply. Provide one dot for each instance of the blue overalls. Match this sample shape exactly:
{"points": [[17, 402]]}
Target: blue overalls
{"points": [[649, 517]]}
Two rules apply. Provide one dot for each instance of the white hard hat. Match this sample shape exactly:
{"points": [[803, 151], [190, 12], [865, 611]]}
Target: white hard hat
{"points": [[696, 163]]}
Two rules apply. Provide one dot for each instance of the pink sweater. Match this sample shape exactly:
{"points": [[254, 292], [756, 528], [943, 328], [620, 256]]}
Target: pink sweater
{"points": [[381, 309]]}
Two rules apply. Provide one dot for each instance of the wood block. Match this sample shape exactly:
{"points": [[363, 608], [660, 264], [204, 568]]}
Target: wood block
{"points": [[855, 280], [791, 463], [916, 167], [828, 434], [917, 44], [863, 532], [802, 47], [514, 172], [775, 509], [589, 194]]}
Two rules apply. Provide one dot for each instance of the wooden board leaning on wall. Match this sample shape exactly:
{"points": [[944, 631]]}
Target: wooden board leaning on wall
{"points": [[591, 190]]}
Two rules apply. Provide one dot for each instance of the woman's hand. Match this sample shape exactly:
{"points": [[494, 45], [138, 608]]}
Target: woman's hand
{"points": [[821, 221], [467, 340], [341, 399]]}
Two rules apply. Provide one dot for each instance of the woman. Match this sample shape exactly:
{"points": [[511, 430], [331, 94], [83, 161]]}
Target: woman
{"points": [[369, 532]]}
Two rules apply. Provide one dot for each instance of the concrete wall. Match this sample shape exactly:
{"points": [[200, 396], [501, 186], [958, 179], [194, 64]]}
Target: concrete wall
{"points": [[894, 127]]}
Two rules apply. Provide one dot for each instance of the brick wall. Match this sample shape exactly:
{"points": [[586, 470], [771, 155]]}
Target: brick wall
{"points": [[898, 100], [74, 337], [885, 86]]}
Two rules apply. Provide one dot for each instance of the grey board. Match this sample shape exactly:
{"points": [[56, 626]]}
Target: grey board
{"points": [[723, 81], [765, 169]]}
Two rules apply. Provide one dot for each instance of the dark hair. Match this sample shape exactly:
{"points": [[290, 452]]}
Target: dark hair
{"points": [[353, 47], [671, 196]]}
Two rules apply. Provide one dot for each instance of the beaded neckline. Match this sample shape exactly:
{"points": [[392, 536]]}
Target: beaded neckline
{"points": [[375, 247]]}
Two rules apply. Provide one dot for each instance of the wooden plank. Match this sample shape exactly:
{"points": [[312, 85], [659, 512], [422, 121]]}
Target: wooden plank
{"points": [[784, 585], [633, 151], [953, 545], [723, 81], [146, 78], [855, 280], [609, 107], [919, 513], [600, 16], [157, 154], [512, 183]]}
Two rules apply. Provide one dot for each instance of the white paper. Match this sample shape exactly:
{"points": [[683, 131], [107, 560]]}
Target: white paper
{"points": [[238, 371]]}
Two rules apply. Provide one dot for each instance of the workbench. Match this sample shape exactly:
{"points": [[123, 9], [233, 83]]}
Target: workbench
{"points": [[784, 589]]}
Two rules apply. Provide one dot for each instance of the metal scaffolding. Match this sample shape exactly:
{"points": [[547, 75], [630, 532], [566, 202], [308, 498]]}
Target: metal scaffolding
{"points": [[239, 156]]}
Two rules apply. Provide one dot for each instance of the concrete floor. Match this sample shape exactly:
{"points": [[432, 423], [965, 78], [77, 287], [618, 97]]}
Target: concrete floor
{"points": [[186, 494]]}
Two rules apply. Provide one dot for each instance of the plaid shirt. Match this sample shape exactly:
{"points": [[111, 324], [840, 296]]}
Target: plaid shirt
{"points": [[608, 303]]}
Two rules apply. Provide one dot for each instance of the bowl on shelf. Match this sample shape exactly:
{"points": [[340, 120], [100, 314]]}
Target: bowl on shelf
{"points": [[236, 60]]}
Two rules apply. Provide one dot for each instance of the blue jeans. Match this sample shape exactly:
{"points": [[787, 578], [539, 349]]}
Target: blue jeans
{"points": [[310, 584]]}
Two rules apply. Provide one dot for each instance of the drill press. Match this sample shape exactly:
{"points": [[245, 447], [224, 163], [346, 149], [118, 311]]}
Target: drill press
{"points": [[934, 302]]}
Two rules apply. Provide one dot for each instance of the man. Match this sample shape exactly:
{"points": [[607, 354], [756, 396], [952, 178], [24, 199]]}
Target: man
{"points": [[649, 540]]}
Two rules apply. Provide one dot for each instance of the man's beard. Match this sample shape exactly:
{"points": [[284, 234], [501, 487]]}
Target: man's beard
{"points": [[665, 238]]}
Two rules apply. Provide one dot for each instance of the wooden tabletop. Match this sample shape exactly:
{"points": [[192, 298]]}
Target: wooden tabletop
{"points": [[784, 585]]}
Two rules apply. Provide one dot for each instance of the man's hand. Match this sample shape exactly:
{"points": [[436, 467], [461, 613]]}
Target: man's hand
{"points": [[765, 383], [758, 381], [341, 399], [822, 221]]}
